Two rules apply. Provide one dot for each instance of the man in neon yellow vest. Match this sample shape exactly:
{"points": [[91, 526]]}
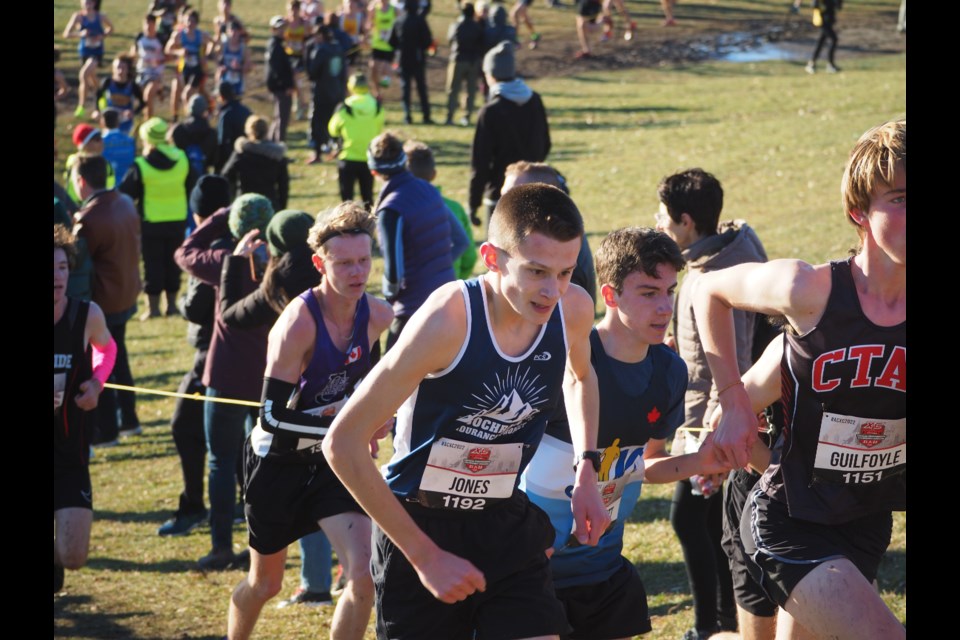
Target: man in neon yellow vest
{"points": [[380, 18], [159, 182]]}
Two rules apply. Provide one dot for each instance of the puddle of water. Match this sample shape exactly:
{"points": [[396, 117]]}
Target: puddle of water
{"points": [[748, 47], [766, 51]]}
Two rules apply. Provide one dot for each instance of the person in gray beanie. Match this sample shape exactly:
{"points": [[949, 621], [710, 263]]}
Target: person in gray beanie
{"points": [[512, 126], [196, 137]]}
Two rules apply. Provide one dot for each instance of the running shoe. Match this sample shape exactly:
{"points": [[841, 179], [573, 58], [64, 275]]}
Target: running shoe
{"points": [[832, 68], [182, 523], [810, 68], [127, 431], [631, 30], [79, 112], [534, 40], [307, 599], [223, 559]]}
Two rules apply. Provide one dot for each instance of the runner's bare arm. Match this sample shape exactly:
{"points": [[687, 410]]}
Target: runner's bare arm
{"points": [[660, 467], [71, 25], [582, 399], [780, 287], [290, 343], [428, 344], [762, 384], [107, 25], [95, 333]]}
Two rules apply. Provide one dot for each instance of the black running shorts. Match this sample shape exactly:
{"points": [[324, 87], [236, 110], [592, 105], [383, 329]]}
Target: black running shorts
{"points": [[507, 543]]}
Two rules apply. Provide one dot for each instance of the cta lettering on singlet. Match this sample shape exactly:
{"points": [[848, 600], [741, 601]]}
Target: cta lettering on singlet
{"points": [[854, 450], [469, 476]]}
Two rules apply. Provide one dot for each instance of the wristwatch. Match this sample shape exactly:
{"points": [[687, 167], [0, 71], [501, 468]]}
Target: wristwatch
{"points": [[592, 456]]}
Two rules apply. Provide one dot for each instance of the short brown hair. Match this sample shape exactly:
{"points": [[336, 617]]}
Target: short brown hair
{"points": [[420, 161], [63, 239], [347, 218], [386, 147], [635, 249], [534, 208], [537, 172], [93, 170], [256, 128], [877, 157]]}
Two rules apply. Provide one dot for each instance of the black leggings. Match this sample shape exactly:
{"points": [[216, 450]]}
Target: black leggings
{"points": [[350, 172], [826, 33], [698, 523], [189, 437]]}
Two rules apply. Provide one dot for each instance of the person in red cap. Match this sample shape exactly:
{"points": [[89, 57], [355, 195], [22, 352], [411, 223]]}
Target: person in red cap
{"points": [[89, 142]]}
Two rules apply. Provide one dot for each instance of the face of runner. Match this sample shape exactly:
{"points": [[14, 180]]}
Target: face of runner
{"points": [[150, 28], [886, 222], [61, 273], [345, 264], [646, 304], [120, 71], [89, 6], [536, 274], [678, 231]]}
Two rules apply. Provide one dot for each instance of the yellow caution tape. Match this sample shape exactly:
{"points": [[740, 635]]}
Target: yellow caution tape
{"points": [[188, 396]]}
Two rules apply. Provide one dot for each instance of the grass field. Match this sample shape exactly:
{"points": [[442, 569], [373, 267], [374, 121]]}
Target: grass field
{"points": [[774, 136]]}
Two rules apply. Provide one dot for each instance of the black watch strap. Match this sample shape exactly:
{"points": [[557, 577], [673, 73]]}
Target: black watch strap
{"points": [[592, 456]]}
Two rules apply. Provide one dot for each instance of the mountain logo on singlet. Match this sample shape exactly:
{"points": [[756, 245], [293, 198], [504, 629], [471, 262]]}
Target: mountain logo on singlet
{"points": [[336, 385], [508, 404], [871, 434]]}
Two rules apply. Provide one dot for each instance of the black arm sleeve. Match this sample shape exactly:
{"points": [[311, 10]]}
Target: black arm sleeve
{"points": [[239, 310], [275, 417]]}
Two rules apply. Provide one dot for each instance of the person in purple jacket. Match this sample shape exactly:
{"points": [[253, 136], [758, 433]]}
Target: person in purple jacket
{"points": [[234, 366]]}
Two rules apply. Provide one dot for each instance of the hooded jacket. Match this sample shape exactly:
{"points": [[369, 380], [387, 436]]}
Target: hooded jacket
{"points": [[259, 167], [512, 126], [734, 243], [356, 122]]}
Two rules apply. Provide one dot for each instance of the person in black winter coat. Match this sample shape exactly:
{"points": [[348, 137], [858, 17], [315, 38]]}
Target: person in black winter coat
{"points": [[230, 122], [196, 137], [411, 37], [466, 51], [280, 80], [512, 126], [327, 68], [258, 165]]}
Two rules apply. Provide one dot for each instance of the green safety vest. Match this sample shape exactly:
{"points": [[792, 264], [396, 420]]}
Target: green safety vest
{"points": [[382, 26], [164, 195]]}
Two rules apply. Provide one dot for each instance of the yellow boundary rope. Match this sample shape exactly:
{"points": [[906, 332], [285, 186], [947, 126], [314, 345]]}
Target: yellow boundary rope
{"points": [[188, 396]]}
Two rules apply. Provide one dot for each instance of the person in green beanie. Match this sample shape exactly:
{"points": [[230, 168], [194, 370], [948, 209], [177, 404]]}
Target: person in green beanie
{"points": [[159, 182], [288, 273], [234, 367]]}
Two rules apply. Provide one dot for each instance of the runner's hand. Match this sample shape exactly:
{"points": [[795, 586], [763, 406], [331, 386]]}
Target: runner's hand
{"points": [[450, 578], [89, 394], [736, 429], [590, 516]]}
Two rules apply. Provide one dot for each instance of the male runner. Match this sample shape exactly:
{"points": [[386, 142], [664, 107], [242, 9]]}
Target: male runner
{"points": [[318, 350], [83, 357], [642, 384], [459, 549], [820, 519]]}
